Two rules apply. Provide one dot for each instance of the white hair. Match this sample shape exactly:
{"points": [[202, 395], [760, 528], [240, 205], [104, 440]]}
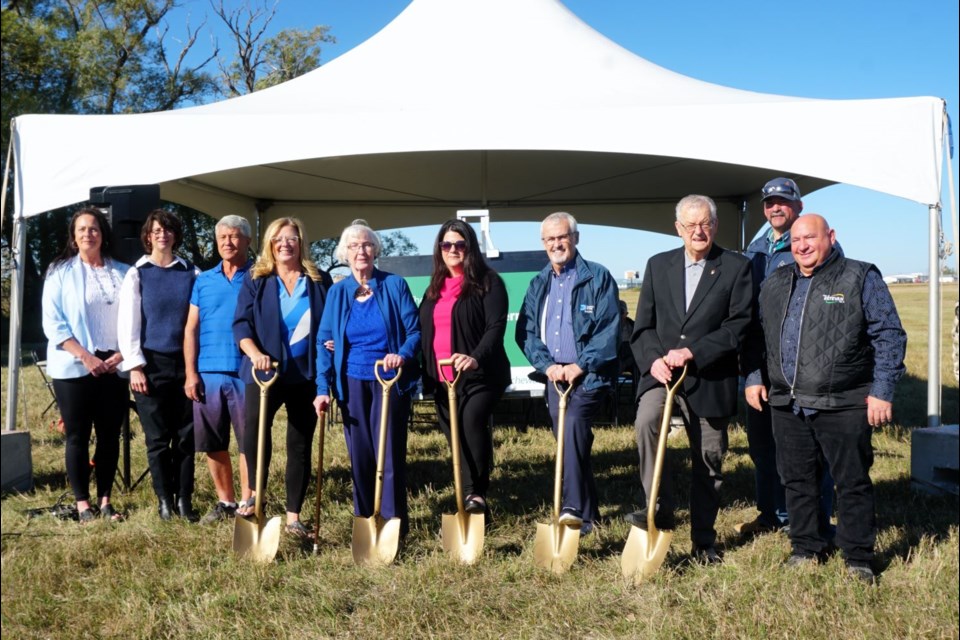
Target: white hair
{"points": [[695, 201], [560, 216], [239, 223], [356, 229]]}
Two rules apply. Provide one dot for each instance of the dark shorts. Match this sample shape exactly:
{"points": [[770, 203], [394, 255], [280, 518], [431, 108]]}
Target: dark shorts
{"points": [[222, 404]]}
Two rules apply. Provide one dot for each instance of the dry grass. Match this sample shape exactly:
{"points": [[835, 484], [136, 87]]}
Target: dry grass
{"points": [[147, 579]]}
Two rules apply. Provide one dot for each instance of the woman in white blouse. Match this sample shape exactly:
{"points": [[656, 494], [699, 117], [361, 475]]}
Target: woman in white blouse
{"points": [[80, 295]]}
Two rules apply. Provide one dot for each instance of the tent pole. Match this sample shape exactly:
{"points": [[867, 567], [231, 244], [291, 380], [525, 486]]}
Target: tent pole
{"points": [[743, 226], [933, 329], [18, 245]]}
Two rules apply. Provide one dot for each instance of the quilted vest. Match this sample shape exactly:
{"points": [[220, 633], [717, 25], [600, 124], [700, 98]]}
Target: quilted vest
{"points": [[834, 356]]}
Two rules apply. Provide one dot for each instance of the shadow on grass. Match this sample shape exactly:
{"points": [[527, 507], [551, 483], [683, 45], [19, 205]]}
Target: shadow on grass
{"points": [[910, 402]]}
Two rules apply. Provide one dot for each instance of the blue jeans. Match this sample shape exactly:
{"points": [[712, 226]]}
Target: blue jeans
{"points": [[843, 439], [579, 487]]}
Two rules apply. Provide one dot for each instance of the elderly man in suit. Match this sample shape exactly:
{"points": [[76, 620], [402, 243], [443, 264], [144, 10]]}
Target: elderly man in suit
{"points": [[694, 310]]}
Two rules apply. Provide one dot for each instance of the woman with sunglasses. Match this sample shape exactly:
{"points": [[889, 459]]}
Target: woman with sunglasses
{"points": [[277, 318], [83, 358], [370, 316], [464, 316], [154, 300]]}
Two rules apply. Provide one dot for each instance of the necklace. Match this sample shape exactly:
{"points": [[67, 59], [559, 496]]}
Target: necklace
{"points": [[104, 296], [363, 290]]}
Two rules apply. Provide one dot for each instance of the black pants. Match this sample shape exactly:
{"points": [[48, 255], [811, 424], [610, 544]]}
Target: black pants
{"points": [[474, 406], [92, 404], [843, 438], [301, 424], [167, 418]]}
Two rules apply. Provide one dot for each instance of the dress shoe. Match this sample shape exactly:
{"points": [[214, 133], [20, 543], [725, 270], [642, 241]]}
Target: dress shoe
{"points": [[185, 508], [755, 527], [706, 555], [166, 508], [663, 519], [474, 504]]}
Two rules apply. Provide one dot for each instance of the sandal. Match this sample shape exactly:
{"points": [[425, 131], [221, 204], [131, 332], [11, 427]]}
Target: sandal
{"points": [[248, 507], [107, 512], [87, 516], [297, 528]]}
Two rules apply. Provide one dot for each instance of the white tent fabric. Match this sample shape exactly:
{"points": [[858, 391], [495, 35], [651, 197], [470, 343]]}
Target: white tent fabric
{"points": [[512, 105], [515, 106]]}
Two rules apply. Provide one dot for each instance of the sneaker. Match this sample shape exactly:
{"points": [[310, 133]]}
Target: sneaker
{"points": [[862, 572], [706, 555], [755, 527], [570, 518], [800, 560], [220, 512], [663, 519]]}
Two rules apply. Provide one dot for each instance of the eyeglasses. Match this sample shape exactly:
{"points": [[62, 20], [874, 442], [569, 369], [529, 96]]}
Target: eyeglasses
{"points": [[557, 239], [693, 226], [357, 246], [156, 233], [286, 240], [459, 245]]}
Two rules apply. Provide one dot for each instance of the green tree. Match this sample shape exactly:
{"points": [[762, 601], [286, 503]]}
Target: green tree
{"points": [[395, 243]]}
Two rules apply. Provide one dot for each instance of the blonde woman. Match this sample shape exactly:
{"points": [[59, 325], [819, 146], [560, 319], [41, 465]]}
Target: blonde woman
{"points": [[278, 313]]}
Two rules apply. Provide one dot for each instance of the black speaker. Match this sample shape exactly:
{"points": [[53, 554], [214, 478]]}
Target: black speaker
{"points": [[128, 208]]}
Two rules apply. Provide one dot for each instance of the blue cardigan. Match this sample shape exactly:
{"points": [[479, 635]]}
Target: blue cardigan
{"points": [[400, 317], [258, 317]]}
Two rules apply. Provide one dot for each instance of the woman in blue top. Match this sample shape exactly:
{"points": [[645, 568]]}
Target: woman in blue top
{"points": [[80, 321], [278, 312], [370, 316]]}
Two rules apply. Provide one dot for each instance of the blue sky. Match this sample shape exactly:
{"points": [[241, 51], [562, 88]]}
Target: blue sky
{"points": [[819, 49]]}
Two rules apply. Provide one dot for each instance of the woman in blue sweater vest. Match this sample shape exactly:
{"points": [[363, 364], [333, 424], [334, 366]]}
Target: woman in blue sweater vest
{"points": [[154, 300], [278, 312], [370, 316]]}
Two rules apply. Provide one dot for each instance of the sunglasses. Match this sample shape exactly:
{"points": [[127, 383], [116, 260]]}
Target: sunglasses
{"points": [[772, 190], [459, 245]]}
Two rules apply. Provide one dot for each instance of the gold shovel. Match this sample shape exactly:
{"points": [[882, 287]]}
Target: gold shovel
{"points": [[316, 517], [375, 540], [555, 547], [646, 550], [461, 532], [258, 540]]}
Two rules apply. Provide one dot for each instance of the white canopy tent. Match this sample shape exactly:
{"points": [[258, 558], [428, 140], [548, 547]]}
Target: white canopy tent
{"points": [[515, 106]]}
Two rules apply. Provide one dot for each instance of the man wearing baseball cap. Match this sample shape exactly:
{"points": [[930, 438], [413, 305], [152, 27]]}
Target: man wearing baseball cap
{"points": [[781, 206]]}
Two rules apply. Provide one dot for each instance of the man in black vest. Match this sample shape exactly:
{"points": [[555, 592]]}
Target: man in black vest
{"points": [[694, 310], [834, 353]]}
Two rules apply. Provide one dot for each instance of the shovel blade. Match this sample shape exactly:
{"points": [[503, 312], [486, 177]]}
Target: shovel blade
{"points": [[255, 542], [462, 539], [375, 541], [555, 547], [644, 552]]}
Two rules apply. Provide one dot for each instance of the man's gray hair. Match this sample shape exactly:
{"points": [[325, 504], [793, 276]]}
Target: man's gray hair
{"points": [[356, 229], [560, 216], [239, 223], [695, 201]]}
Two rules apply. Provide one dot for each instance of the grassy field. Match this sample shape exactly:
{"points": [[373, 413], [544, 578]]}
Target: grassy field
{"points": [[147, 579]]}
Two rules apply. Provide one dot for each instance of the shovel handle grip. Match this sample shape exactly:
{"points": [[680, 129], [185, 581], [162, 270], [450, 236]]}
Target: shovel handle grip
{"points": [[265, 384], [386, 384], [448, 362]]}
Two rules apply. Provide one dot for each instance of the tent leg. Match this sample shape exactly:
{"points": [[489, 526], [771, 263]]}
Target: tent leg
{"points": [[16, 320], [933, 329]]}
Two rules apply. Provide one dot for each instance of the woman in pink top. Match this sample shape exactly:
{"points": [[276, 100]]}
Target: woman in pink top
{"points": [[463, 316]]}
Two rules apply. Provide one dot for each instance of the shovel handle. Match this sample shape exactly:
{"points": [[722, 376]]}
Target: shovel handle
{"points": [[265, 384], [454, 437], [261, 439], [382, 441], [316, 519], [662, 450], [564, 395], [561, 436]]}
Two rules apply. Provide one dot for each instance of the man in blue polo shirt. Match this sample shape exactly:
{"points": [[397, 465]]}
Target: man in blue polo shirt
{"points": [[212, 359]]}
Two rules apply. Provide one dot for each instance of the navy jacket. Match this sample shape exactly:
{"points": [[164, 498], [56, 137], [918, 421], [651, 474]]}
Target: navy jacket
{"points": [[596, 323], [258, 317]]}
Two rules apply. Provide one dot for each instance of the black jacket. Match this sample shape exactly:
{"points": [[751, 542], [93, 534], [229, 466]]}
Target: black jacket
{"points": [[479, 323], [713, 328]]}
